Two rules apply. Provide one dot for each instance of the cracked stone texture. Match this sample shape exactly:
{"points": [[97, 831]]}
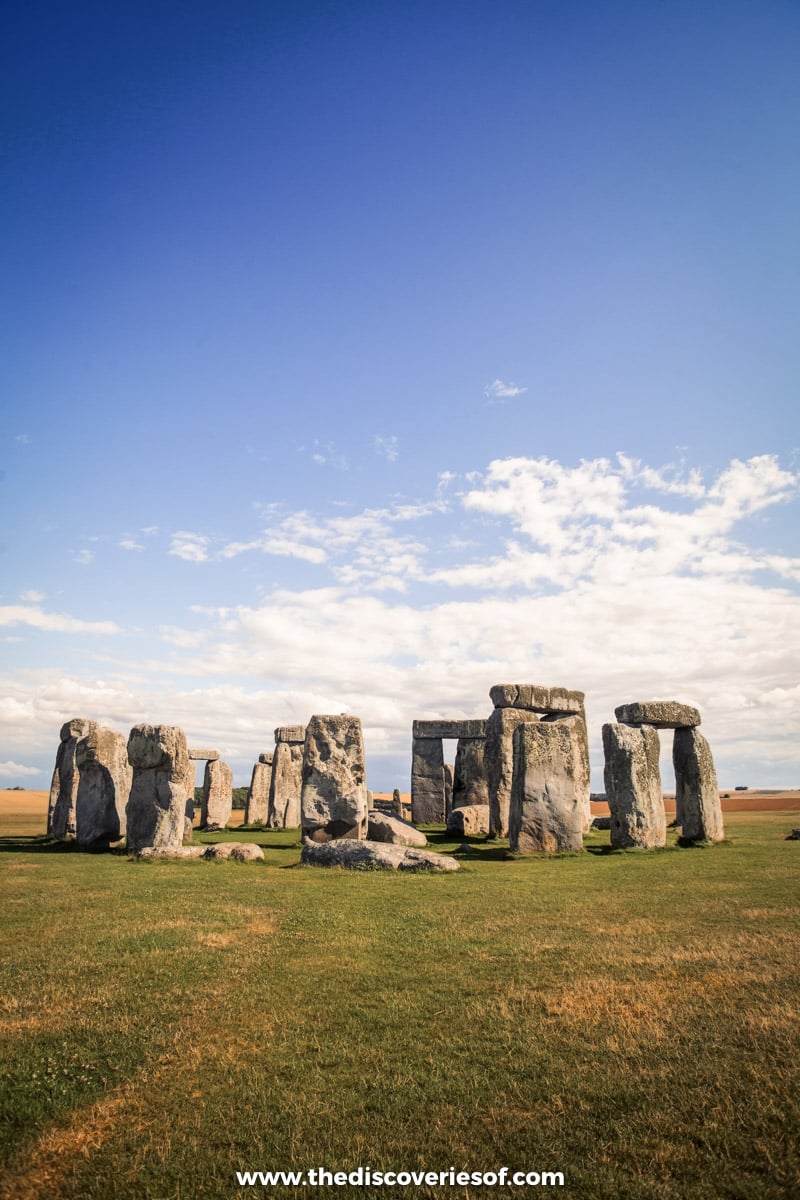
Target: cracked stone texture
{"points": [[333, 798], [661, 714], [104, 785], [546, 812], [633, 786], [696, 790], [155, 812]]}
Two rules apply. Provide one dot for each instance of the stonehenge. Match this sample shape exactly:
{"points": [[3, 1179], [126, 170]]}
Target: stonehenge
{"points": [[286, 780], [257, 803], [217, 802], [547, 802], [104, 784], [428, 773], [696, 790], [64, 787], [156, 805], [633, 787], [333, 798]]}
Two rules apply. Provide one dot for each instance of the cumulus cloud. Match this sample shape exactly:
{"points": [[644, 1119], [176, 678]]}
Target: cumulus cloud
{"points": [[37, 618], [498, 392], [32, 596], [12, 770], [191, 547], [130, 544]]}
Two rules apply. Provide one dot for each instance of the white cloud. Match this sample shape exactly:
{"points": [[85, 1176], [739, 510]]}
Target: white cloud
{"points": [[130, 544], [12, 770], [32, 596], [386, 447], [498, 392], [191, 547], [37, 618], [325, 454], [24, 439], [84, 557]]}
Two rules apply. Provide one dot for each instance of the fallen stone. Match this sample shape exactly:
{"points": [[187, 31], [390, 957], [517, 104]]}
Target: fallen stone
{"points": [[469, 820], [171, 852], [794, 836], [256, 805], [217, 802], [104, 785], [661, 714], [202, 755], [470, 786], [238, 851], [498, 758], [633, 787], [286, 783], [532, 697], [374, 856], [333, 798], [601, 823], [61, 810], [391, 830], [546, 812], [696, 791], [155, 812]]}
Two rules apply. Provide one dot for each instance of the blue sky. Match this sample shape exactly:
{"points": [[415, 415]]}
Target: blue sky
{"points": [[361, 356]]}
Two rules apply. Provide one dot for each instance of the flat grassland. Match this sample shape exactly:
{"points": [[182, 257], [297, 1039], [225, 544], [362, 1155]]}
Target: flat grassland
{"points": [[630, 1019]]}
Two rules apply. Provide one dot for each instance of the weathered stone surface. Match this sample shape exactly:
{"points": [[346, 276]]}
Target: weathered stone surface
{"points": [[696, 790], [397, 803], [546, 812], [470, 820], [794, 836], [601, 823], [532, 697], [449, 729], [171, 852], [333, 799], [370, 801], [104, 785], [382, 827], [266, 758], [256, 805], [61, 817], [498, 760], [633, 786], [286, 783], [238, 851], [291, 734], [155, 812], [217, 802], [583, 768], [374, 856], [202, 755], [661, 714], [448, 789], [427, 781], [470, 785]]}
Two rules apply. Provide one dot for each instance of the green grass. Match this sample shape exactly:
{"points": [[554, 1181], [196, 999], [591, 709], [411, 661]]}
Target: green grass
{"points": [[630, 1019]]}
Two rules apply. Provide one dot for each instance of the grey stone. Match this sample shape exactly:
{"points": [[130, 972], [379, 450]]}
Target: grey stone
{"points": [[448, 789], [470, 820], [449, 729], [256, 805], [546, 812], [794, 836], [217, 802], [333, 799], [374, 856], [155, 812], [661, 714], [104, 785], [294, 734], [427, 781], [382, 827], [583, 768], [696, 790], [397, 803], [171, 852], [238, 851], [532, 697], [202, 755], [370, 801], [498, 758], [286, 783], [61, 810], [470, 786], [633, 786], [601, 823]]}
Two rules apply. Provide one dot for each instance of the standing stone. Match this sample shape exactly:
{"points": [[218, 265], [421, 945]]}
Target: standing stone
{"points": [[370, 801], [633, 786], [427, 781], [498, 759], [101, 757], [448, 789], [188, 812], [333, 800], [286, 781], [546, 811], [257, 803], [469, 775], [696, 790], [397, 803], [583, 767], [155, 812], [61, 816], [217, 803]]}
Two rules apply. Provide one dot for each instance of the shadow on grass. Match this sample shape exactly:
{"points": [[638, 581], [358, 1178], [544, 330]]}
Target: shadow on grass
{"points": [[40, 843]]}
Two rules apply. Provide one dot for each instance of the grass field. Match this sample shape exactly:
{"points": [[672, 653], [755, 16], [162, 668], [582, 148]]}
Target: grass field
{"points": [[629, 1019]]}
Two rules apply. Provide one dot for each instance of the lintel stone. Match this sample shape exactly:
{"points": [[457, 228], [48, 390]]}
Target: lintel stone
{"points": [[203, 755], [661, 714], [533, 697], [449, 729]]}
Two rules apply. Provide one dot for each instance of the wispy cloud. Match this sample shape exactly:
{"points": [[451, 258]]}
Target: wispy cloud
{"points": [[191, 547], [130, 544], [84, 557], [325, 454], [24, 439], [32, 596], [498, 392], [12, 770], [37, 618], [386, 447]]}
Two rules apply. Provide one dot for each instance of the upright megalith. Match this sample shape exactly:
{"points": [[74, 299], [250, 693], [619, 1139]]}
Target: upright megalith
{"points": [[257, 803], [427, 781], [696, 791], [546, 812], [154, 814], [633, 786], [470, 785], [101, 757], [217, 802], [333, 800], [499, 763], [61, 814], [286, 780]]}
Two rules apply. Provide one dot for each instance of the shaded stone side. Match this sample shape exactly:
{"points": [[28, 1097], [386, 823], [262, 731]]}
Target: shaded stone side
{"points": [[633, 786], [286, 783], [427, 781], [333, 798], [546, 812], [470, 785], [103, 787], [448, 789], [498, 758], [257, 803], [696, 790], [290, 733], [217, 802], [155, 812], [532, 697], [661, 714], [449, 729], [64, 786]]}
